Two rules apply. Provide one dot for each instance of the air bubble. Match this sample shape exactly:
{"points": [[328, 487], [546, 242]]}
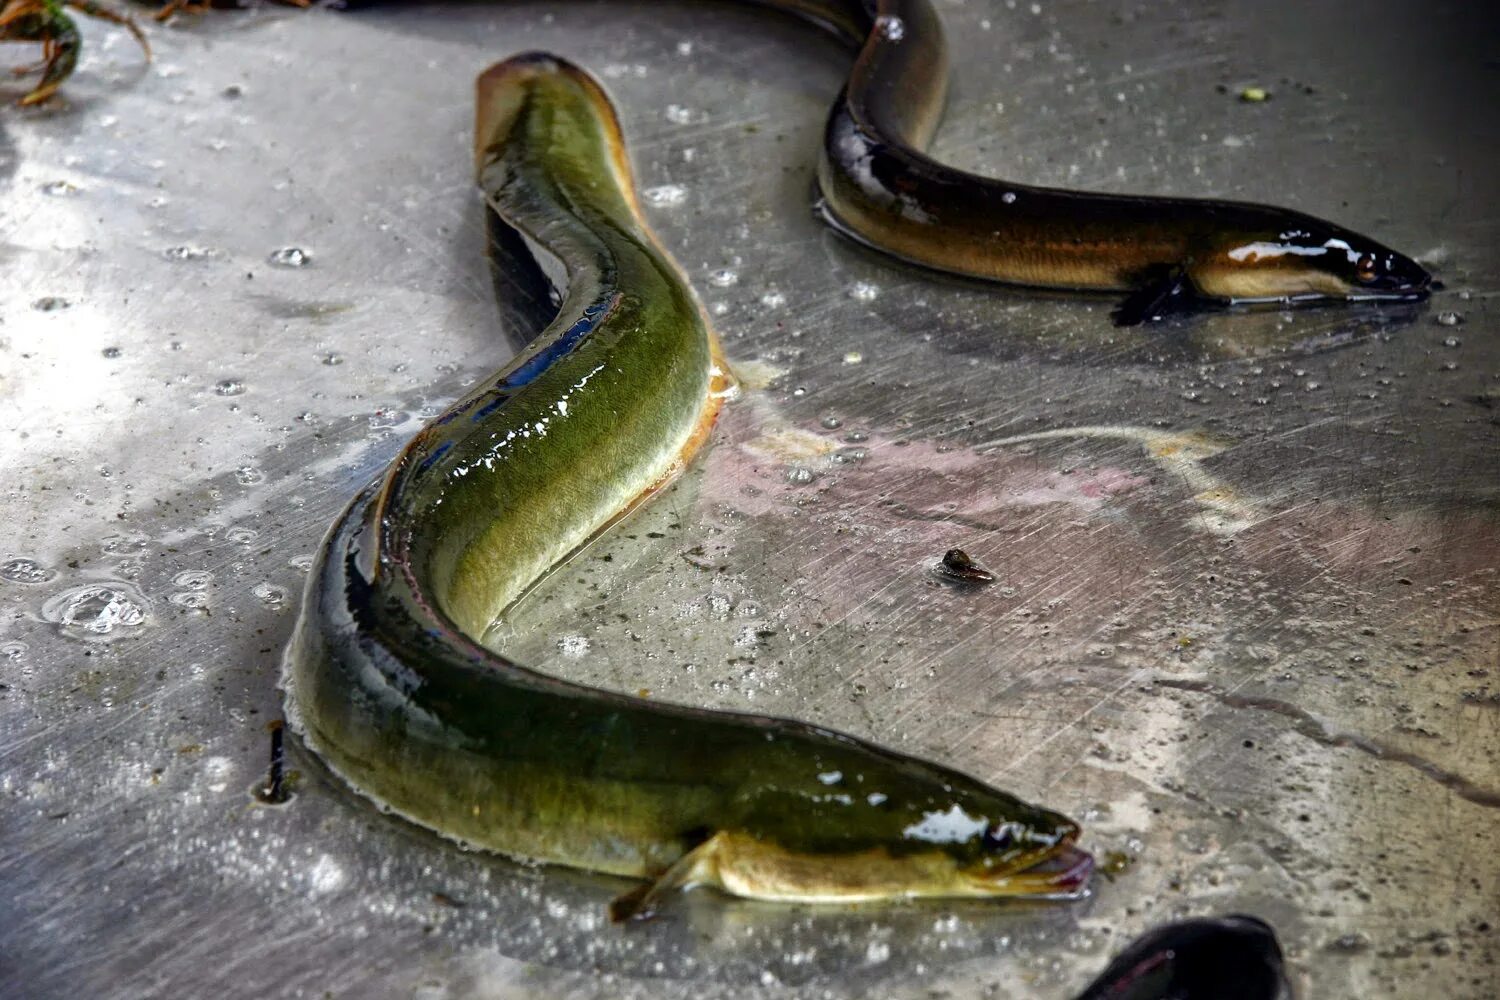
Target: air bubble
{"points": [[229, 387], [864, 291], [193, 579], [96, 609], [270, 595], [23, 570]]}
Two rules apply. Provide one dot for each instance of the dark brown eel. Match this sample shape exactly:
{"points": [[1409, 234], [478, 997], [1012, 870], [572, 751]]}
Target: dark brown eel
{"points": [[879, 187]]}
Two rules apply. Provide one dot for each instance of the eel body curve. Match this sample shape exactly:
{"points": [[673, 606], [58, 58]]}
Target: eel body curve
{"points": [[387, 679]]}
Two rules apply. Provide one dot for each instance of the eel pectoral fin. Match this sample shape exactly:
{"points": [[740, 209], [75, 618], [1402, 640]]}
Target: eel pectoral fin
{"points": [[700, 866], [1163, 290]]}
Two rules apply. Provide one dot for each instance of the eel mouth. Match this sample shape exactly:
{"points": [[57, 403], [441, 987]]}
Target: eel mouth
{"points": [[1063, 872]]}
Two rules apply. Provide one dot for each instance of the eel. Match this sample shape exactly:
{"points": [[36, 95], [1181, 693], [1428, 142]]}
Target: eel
{"points": [[876, 185], [387, 676]]}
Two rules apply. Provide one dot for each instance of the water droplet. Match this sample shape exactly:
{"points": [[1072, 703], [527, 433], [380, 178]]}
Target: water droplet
{"points": [[864, 291], [773, 300], [193, 579], [13, 651], [189, 253], [249, 475], [229, 387], [831, 423], [59, 189], [23, 570], [270, 595], [302, 563], [1350, 943], [191, 599], [111, 352], [289, 257], [573, 645], [666, 195], [96, 609], [50, 303], [1452, 342], [679, 115], [386, 417], [798, 475], [892, 27], [333, 360], [1009, 197], [749, 637], [723, 278], [853, 357], [1448, 318]]}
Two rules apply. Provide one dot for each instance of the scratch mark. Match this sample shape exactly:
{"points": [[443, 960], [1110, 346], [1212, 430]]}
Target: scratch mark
{"points": [[1317, 730]]}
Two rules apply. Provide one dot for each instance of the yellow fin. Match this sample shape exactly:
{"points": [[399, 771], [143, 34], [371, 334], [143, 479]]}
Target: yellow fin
{"points": [[700, 866]]}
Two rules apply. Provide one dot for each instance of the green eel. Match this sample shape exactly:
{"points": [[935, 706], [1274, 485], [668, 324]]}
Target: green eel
{"points": [[387, 679]]}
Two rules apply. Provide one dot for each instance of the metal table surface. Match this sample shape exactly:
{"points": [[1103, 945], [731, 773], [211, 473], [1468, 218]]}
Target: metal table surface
{"points": [[1246, 626]]}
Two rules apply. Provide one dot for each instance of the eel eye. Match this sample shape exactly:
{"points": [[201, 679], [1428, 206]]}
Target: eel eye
{"points": [[1364, 270]]}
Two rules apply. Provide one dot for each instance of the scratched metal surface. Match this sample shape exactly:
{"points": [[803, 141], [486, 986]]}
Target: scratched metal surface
{"points": [[1246, 623]]}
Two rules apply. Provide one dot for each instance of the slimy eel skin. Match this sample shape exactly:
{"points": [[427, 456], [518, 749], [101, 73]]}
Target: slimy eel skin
{"points": [[388, 681]]}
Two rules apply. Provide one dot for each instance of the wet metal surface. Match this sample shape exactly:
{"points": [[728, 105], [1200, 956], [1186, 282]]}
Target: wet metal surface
{"points": [[1246, 618]]}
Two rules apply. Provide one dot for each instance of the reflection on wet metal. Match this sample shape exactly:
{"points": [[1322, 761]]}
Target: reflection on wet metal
{"points": [[1122, 667]]}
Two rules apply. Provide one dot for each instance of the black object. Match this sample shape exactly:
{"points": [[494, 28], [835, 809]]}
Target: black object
{"points": [[1209, 958]]}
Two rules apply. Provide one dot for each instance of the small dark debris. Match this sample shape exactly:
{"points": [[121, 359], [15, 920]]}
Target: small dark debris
{"points": [[274, 791], [959, 567]]}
